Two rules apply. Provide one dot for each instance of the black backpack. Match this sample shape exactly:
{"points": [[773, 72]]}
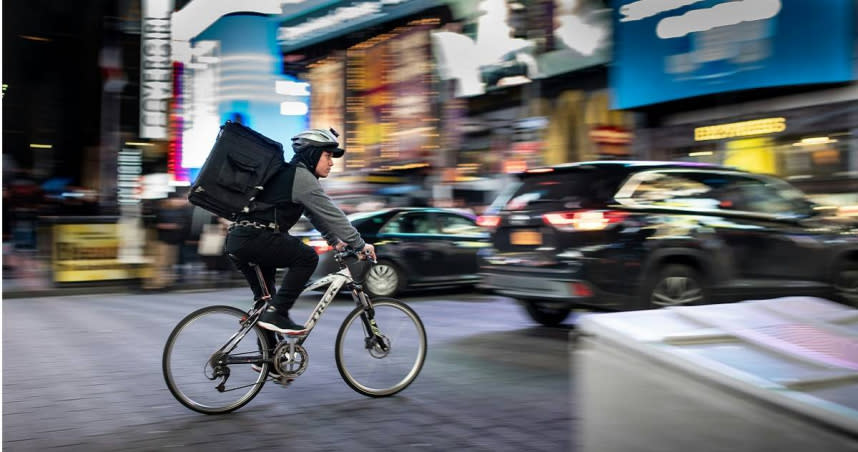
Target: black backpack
{"points": [[240, 163]]}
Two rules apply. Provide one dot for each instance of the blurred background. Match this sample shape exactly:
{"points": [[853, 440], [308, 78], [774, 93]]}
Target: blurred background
{"points": [[111, 106], [463, 121]]}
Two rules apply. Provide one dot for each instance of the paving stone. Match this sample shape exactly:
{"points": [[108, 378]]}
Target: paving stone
{"points": [[491, 382]]}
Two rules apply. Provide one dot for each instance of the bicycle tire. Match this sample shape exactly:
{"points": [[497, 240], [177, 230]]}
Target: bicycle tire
{"points": [[392, 317], [204, 341]]}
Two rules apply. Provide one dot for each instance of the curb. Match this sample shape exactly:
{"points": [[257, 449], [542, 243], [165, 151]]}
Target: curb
{"points": [[103, 289]]}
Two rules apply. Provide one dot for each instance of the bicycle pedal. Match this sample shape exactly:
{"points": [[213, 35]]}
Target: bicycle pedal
{"points": [[284, 381]]}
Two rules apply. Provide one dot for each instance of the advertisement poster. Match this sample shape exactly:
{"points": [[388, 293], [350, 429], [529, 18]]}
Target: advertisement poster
{"points": [[516, 42], [88, 252], [368, 103], [327, 99], [678, 49], [413, 134]]}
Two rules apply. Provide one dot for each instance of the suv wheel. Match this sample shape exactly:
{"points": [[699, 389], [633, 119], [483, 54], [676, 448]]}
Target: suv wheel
{"points": [[675, 285], [547, 316], [846, 283]]}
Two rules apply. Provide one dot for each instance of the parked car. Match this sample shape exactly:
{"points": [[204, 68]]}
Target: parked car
{"points": [[416, 247], [633, 235]]}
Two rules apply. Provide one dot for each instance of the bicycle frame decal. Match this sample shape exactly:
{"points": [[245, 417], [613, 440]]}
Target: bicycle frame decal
{"points": [[374, 327], [334, 281]]}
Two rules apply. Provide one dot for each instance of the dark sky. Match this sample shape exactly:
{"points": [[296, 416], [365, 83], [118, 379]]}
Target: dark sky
{"points": [[50, 64]]}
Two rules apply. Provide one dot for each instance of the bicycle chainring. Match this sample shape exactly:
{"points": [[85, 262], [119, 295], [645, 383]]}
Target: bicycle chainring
{"points": [[289, 365]]}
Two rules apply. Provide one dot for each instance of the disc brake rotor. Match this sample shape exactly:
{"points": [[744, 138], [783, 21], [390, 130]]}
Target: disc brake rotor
{"points": [[376, 351]]}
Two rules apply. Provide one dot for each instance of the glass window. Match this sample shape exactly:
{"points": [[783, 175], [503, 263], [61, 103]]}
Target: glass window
{"points": [[583, 186], [456, 225], [411, 223], [673, 189], [717, 190], [765, 195]]}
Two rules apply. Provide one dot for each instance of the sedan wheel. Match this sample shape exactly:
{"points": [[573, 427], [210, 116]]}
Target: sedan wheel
{"points": [[383, 279], [676, 285]]}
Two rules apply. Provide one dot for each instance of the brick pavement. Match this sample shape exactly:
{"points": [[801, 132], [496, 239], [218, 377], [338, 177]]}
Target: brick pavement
{"points": [[83, 373]]}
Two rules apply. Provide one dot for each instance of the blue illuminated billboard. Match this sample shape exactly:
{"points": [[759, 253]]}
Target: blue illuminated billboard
{"points": [[673, 49]]}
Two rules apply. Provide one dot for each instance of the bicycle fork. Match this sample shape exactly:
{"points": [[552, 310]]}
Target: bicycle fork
{"points": [[374, 338]]}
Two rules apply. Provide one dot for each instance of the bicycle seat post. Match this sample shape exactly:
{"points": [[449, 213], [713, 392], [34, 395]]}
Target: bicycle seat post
{"points": [[266, 295]]}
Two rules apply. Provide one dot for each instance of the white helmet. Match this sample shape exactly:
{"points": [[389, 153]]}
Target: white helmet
{"points": [[317, 138]]}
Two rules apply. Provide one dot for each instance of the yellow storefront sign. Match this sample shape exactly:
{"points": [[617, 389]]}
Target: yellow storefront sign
{"points": [[740, 129], [88, 252]]}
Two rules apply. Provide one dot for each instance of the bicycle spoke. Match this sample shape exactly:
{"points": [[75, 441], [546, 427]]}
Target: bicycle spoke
{"points": [[191, 343], [381, 368]]}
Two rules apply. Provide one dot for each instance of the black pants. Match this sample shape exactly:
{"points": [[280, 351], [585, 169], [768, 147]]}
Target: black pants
{"points": [[271, 250]]}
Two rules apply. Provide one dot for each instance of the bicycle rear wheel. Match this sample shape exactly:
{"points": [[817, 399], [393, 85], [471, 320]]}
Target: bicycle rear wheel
{"points": [[379, 370], [206, 369]]}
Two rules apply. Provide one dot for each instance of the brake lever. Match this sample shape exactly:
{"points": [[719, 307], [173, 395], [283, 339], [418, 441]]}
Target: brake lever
{"points": [[369, 257]]}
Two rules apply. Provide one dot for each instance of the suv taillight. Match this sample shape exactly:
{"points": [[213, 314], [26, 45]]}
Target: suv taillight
{"points": [[583, 220], [488, 221]]}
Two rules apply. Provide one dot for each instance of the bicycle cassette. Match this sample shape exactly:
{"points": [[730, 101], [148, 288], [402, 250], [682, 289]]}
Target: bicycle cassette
{"points": [[290, 361]]}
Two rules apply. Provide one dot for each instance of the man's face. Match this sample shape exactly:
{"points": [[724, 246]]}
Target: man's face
{"points": [[326, 162]]}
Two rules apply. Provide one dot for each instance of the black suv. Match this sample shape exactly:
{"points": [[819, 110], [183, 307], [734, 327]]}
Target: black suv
{"points": [[634, 235]]}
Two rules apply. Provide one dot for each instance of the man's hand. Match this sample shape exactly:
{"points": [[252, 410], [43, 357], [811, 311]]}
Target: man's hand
{"points": [[368, 251], [341, 245]]}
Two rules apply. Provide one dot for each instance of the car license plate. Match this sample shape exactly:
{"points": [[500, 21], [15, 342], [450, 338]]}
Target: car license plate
{"points": [[525, 238]]}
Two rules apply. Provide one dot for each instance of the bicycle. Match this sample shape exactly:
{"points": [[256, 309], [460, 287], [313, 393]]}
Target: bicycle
{"points": [[378, 356]]}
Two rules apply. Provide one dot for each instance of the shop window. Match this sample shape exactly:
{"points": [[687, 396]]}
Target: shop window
{"points": [[815, 156]]}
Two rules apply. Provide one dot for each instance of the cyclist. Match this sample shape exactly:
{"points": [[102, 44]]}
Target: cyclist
{"points": [[261, 236]]}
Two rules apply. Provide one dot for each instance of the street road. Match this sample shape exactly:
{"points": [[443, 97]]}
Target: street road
{"points": [[84, 373]]}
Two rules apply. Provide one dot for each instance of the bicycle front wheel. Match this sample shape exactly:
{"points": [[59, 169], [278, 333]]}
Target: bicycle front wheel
{"points": [[379, 368], [207, 360]]}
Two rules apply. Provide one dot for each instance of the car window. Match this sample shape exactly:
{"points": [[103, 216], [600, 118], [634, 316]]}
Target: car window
{"points": [[672, 189], [583, 187], [714, 191], [456, 225], [411, 223], [769, 196]]}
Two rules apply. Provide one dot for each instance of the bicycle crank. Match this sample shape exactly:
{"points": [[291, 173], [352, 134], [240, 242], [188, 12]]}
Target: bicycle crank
{"points": [[290, 360]]}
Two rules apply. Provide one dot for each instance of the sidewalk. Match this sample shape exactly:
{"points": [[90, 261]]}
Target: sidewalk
{"points": [[39, 284]]}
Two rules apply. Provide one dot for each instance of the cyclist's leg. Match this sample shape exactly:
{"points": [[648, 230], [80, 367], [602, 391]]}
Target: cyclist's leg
{"points": [[241, 247], [285, 251]]}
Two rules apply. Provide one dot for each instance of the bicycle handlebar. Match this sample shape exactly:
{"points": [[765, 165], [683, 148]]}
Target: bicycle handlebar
{"points": [[351, 252]]}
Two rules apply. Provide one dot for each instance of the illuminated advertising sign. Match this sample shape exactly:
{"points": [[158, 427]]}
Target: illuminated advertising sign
{"points": [[513, 43], [327, 103], [233, 72], [414, 131], [88, 252], [156, 69], [740, 129], [343, 18], [673, 49]]}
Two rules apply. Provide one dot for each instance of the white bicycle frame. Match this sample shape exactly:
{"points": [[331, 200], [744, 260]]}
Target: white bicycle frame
{"points": [[335, 281]]}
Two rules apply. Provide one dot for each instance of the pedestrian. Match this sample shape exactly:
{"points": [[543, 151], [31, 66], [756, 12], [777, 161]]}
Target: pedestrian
{"points": [[262, 236], [172, 226]]}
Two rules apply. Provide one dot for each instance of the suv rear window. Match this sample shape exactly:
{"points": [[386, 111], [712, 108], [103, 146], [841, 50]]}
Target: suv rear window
{"points": [[583, 187]]}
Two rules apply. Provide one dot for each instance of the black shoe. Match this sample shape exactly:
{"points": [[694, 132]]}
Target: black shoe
{"points": [[274, 320]]}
